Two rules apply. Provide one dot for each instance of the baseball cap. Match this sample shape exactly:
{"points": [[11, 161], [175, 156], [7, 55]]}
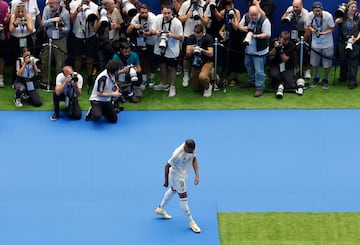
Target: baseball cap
{"points": [[317, 5]]}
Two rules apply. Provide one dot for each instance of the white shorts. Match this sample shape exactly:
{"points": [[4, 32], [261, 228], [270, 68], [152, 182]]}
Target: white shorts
{"points": [[178, 183]]}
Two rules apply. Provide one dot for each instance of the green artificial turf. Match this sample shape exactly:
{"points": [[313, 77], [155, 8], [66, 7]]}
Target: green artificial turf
{"points": [[338, 96], [298, 228]]}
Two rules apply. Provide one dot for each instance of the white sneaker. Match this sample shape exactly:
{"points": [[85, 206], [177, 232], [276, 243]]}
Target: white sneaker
{"points": [[172, 91], [207, 92], [2, 82], [307, 74], [185, 82], [18, 103], [163, 213], [194, 227], [300, 91], [161, 87], [151, 83]]}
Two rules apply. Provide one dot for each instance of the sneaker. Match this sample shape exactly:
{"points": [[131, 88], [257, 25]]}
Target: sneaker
{"points": [[163, 213], [314, 83], [18, 103], [143, 86], [300, 91], [54, 117], [207, 92], [307, 74], [88, 114], [185, 82], [151, 83], [161, 87], [172, 91], [2, 82], [280, 92], [258, 93], [194, 227], [325, 84]]}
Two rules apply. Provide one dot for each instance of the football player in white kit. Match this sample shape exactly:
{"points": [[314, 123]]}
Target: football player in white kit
{"points": [[177, 168]]}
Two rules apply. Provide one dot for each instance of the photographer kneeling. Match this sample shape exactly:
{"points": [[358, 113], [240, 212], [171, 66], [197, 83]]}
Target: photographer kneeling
{"points": [[130, 78], [199, 47], [282, 56], [26, 70], [68, 88]]}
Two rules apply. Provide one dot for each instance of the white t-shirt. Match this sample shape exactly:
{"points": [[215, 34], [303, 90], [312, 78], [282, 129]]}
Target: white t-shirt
{"points": [[190, 22], [181, 162], [60, 79], [81, 27], [323, 24], [149, 22], [173, 45]]}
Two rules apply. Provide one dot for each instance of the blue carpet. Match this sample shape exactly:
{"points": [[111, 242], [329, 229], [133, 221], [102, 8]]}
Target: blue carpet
{"points": [[77, 182]]}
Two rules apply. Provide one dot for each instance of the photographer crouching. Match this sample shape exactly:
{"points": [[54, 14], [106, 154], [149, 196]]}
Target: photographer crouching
{"points": [[68, 88], [282, 56], [199, 48], [130, 78]]}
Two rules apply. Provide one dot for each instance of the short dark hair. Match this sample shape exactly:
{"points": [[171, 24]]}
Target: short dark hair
{"points": [[190, 143], [199, 28], [112, 66], [125, 45]]}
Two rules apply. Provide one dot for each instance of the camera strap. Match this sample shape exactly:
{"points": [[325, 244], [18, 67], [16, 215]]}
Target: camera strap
{"points": [[318, 25], [164, 23]]}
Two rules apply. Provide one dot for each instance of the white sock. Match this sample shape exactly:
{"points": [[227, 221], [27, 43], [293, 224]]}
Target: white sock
{"points": [[186, 73], [144, 77], [185, 207], [167, 196]]}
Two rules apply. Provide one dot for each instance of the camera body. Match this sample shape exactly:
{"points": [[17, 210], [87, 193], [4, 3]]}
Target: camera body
{"points": [[289, 17], [163, 42], [23, 21], [74, 77], [340, 11], [230, 13], [317, 32], [280, 46]]}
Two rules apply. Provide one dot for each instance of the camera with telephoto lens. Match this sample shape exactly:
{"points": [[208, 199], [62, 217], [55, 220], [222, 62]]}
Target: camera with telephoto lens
{"points": [[33, 60], [133, 73], [249, 36], [163, 42], [230, 13], [289, 16], [340, 11], [104, 19], [129, 8], [349, 43], [212, 4], [90, 15], [74, 77], [195, 12]]}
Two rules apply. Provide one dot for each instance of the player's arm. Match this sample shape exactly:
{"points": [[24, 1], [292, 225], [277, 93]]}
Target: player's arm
{"points": [[167, 168], [196, 170]]}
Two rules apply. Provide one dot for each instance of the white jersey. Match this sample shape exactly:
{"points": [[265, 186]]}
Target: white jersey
{"points": [[173, 26], [181, 162]]}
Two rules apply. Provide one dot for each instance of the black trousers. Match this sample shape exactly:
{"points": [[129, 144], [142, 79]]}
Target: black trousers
{"points": [[106, 109], [74, 110]]}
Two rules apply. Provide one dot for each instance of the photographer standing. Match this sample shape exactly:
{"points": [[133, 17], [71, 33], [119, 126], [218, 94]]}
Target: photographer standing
{"points": [[26, 70], [199, 48], [321, 25], [129, 78], [104, 90], [56, 22], [169, 32], [258, 30], [68, 88], [348, 46]]}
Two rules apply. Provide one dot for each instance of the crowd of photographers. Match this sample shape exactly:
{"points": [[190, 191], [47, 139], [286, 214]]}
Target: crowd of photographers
{"points": [[119, 45]]}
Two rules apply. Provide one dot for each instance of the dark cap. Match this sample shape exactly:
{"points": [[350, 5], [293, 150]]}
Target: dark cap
{"points": [[317, 5]]}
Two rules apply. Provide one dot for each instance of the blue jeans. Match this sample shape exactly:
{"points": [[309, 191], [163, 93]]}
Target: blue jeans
{"points": [[255, 66]]}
